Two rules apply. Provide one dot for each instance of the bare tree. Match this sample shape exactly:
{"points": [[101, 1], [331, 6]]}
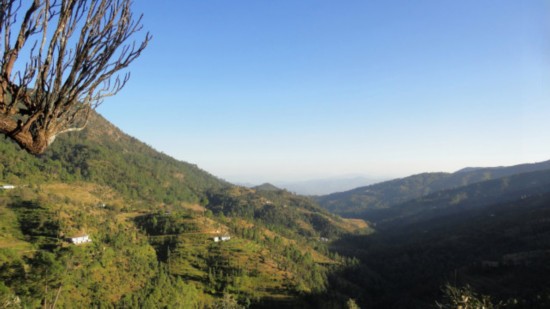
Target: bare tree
{"points": [[61, 59]]}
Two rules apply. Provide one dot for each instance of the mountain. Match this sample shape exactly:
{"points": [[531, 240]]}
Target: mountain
{"points": [[488, 238], [105, 155], [355, 202], [165, 233], [457, 201], [478, 236], [266, 187], [154, 222]]}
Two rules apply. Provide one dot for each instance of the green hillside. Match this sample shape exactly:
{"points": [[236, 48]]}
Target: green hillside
{"points": [[152, 221], [156, 226], [104, 155]]}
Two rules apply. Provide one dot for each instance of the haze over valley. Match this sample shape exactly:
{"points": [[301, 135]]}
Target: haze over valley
{"points": [[275, 154]]}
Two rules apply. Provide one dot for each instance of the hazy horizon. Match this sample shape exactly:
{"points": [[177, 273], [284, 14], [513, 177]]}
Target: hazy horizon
{"points": [[255, 180], [289, 91]]}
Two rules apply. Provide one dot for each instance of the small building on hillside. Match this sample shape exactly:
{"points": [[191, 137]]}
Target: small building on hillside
{"points": [[7, 187], [77, 240], [222, 238]]}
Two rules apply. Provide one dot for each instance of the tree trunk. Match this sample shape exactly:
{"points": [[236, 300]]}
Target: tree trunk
{"points": [[35, 144]]}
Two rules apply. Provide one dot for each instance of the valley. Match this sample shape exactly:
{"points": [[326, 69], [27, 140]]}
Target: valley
{"points": [[164, 233], [274, 154]]}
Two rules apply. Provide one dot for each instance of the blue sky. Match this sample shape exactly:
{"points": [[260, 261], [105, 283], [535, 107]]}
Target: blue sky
{"points": [[256, 91]]}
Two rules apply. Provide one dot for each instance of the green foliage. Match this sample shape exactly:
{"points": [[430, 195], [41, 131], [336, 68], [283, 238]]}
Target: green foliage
{"points": [[464, 297], [228, 302], [103, 154], [165, 223], [8, 299], [165, 291], [140, 256], [37, 223], [279, 210], [150, 252], [351, 304]]}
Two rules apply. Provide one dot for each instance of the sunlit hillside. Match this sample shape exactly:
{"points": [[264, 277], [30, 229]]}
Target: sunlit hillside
{"points": [[156, 226]]}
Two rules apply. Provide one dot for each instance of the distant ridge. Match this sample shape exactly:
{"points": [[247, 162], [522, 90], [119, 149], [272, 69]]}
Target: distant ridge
{"points": [[502, 190], [516, 169], [468, 169], [266, 187], [354, 203]]}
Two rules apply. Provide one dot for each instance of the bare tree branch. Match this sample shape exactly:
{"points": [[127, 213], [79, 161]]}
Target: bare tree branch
{"points": [[59, 61]]}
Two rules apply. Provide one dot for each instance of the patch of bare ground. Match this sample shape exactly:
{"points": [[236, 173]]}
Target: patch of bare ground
{"points": [[193, 207], [358, 224]]}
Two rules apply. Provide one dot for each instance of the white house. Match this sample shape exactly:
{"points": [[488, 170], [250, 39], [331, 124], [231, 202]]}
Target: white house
{"points": [[221, 238], [7, 187], [80, 239]]}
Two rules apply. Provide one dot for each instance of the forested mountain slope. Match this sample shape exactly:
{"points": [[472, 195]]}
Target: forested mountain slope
{"points": [[103, 154], [455, 201], [487, 238], [496, 247], [152, 221], [355, 202]]}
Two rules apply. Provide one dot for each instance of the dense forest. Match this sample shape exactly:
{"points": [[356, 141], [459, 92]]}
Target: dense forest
{"points": [[165, 234]]}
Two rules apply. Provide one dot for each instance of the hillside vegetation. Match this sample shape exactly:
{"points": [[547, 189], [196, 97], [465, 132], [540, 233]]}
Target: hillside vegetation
{"points": [[166, 234], [104, 155], [490, 237], [152, 221]]}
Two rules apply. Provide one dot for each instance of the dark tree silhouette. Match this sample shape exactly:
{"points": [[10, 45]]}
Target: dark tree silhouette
{"points": [[60, 59]]}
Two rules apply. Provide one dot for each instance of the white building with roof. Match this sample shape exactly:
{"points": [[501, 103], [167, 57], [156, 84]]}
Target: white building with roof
{"points": [[222, 238], [77, 240]]}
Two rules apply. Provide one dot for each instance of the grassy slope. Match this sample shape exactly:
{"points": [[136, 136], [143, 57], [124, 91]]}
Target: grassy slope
{"points": [[123, 255], [106, 184], [104, 155]]}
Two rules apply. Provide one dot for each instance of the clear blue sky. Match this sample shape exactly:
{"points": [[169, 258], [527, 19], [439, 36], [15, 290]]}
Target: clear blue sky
{"points": [[287, 90]]}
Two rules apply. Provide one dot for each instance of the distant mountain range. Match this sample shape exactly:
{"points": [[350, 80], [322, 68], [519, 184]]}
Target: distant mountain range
{"points": [[482, 231], [356, 202], [501, 190], [490, 237]]}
